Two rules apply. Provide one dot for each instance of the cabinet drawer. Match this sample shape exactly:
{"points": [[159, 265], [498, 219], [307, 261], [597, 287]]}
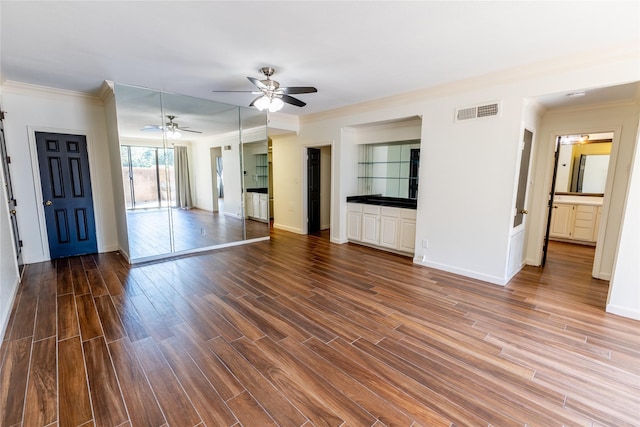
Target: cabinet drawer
{"points": [[371, 209], [354, 207], [392, 212]]}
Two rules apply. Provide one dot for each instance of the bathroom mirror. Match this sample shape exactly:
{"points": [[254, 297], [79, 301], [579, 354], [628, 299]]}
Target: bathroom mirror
{"points": [[583, 164], [182, 171]]}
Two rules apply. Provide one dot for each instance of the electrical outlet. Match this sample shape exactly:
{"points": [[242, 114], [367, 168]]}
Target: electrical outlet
{"points": [[425, 244]]}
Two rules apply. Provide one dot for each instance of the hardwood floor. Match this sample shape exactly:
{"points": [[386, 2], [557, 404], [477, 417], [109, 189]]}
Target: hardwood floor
{"points": [[150, 233], [300, 332]]}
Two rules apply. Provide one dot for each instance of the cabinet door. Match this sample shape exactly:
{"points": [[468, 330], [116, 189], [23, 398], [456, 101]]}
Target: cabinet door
{"points": [[248, 205], [354, 225], [370, 228], [407, 235], [264, 206], [256, 205], [561, 221], [389, 231]]}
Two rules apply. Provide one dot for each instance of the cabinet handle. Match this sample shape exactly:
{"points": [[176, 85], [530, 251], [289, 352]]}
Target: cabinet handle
{"points": [[555, 207]]}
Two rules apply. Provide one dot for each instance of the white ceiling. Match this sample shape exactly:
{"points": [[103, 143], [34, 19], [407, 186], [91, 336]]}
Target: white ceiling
{"points": [[351, 51]]}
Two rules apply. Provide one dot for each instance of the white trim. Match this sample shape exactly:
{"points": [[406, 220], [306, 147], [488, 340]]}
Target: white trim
{"points": [[37, 183], [10, 303], [195, 251], [288, 228], [462, 271], [623, 311]]}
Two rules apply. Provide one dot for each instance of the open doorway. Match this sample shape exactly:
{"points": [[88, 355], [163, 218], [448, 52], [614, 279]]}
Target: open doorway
{"points": [[319, 190], [217, 184], [577, 194]]}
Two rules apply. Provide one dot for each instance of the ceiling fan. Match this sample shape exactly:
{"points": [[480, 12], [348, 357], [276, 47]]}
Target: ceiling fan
{"points": [[272, 96], [171, 128]]}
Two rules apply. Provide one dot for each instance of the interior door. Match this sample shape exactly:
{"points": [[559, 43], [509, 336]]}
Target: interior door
{"points": [[313, 187], [521, 196], [10, 196], [66, 190], [545, 247]]}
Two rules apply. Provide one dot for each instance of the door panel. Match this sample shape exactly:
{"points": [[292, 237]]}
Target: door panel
{"points": [[313, 194], [66, 189]]}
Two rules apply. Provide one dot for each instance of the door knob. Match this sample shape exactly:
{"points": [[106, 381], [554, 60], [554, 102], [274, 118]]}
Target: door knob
{"points": [[48, 203], [13, 211], [524, 211]]}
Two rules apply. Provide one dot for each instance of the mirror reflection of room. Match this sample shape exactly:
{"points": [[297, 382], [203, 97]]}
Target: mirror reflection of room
{"points": [[583, 163], [581, 176], [181, 161]]}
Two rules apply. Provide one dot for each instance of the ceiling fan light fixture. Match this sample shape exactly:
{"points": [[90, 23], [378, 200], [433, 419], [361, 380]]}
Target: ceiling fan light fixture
{"points": [[262, 103], [276, 105], [173, 134]]}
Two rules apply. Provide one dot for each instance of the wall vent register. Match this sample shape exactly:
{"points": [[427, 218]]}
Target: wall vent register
{"points": [[478, 111]]}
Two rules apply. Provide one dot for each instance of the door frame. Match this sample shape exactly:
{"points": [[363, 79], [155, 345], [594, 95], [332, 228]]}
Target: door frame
{"points": [[304, 191], [37, 188], [539, 234]]}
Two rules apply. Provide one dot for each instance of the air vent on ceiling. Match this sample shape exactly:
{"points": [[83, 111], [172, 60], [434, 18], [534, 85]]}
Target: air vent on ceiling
{"points": [[478, 111]]}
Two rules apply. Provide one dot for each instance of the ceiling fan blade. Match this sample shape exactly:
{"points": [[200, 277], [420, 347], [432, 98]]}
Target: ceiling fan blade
{"points": [[293, 101], [258, 83], [188, 130], [298, 89]]}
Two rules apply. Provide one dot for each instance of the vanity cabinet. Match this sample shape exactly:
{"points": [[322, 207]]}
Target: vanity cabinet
{"points": [[575, 222], [384, 227]]}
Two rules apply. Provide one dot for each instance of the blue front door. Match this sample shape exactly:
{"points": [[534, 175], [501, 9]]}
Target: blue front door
{"points": [[66, 190]]}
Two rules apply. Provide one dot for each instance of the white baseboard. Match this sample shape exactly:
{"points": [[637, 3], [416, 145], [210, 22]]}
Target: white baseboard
{"points": [[623, 311], [4, 317], [500, 281], [287, 228]]}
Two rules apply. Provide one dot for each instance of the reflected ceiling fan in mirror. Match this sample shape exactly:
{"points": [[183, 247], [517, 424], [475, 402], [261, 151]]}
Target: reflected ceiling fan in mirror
{"points": [[272, 96], [171, 128]]}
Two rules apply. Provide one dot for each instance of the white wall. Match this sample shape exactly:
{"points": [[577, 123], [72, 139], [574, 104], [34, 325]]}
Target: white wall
{"points": [[468, 170], [31, 109], [624, 289], [9, 278], [623, 119]]}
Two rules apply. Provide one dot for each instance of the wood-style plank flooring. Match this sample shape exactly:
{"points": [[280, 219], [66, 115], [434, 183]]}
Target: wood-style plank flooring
{"points": [[150, 230], [296, 331]]}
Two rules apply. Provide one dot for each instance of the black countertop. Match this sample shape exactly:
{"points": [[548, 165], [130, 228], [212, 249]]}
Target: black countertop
{"points": [[258, 190], [376, 199]]}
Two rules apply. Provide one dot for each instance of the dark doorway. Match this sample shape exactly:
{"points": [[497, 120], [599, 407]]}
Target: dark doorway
{"points": [[66, 190], [313, 193], [10, 196]]}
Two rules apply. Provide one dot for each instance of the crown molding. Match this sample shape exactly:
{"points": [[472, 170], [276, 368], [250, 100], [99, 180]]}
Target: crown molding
{"points": [[106, 92], [589, 107], [629, 51], [11, 86]]}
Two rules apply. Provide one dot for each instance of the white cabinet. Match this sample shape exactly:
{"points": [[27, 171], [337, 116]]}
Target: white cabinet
{"points": [[576, 222], [257, 206], [561, 221], [354, 221], [407, 242], [381, 226], [263, 206], [371, 224]]}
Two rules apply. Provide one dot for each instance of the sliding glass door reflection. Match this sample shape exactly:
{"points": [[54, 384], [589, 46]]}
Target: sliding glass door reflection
{"points": [[148, 175]]}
